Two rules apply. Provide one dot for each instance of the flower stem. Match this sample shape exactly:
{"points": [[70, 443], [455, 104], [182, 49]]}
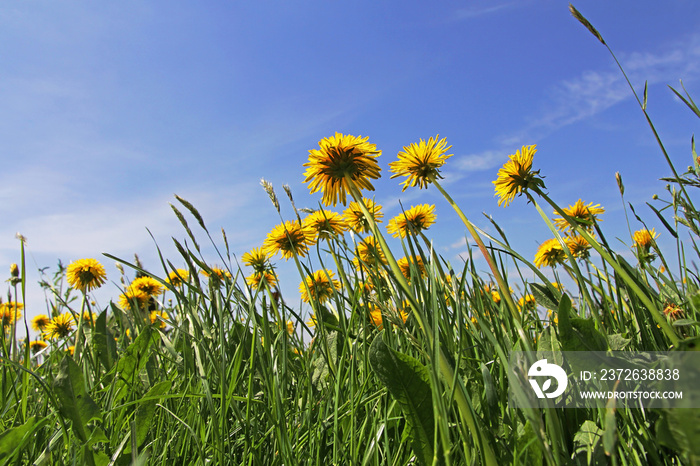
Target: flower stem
{"points": [[505, 291]]}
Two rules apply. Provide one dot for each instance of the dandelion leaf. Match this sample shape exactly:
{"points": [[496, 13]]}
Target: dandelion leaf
{"points": [[408, 382], [588, 447], [545, 296], [578, 334], [104, 343], [133, 362], [14, 439], [679, 430], [320, 363], [76, 403], [145, 412], [529, 451]]}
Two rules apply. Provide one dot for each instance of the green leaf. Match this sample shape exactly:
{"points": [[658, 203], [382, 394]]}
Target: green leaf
{"points": [[133, 362], [544, 296], [684, 322], [587, 445], [408, 382], [617, 342], [76, 403], [12, 440], [146, 410], [578, 334], [103, 339], [610, 434], [679, 429], [320, 363]]}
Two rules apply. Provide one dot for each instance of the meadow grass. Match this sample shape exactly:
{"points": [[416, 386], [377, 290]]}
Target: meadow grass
{"points": [[208, 363]]}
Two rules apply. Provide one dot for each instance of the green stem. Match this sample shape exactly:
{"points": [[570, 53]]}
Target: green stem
{"points": [[505, 291], [657, 316], [444, 365]]}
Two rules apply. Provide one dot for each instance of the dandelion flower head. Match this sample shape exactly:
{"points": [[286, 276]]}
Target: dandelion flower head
{"points": [[61, 326], [86, 274], [355, 218], [338, 158], [288, 238], [326, 224], [148, 285], [412, 221], [419, 162], [516, 176], [318, 286], [585, 215], [550, 253]]}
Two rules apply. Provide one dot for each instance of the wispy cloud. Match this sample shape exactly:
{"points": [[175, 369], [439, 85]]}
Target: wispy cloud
{"points": [[481, 161], [481, 8], [593, 92]]}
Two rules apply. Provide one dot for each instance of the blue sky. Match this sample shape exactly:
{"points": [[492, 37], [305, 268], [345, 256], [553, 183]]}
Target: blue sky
{"points": [[111, 108]]}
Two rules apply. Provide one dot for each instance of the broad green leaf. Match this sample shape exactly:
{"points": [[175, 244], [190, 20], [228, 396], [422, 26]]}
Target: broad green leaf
{"points": [[104, 342], [545, 296], [12, 440], [610, 434], [408, 382], [76, 403], [587, 445], [617, 342], [578, 334], [146, 410], [133, 361], [529, 451], [679, 429]]}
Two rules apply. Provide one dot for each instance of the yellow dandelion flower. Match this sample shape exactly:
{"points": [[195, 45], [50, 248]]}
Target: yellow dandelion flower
{"points": [[550, 253], [10, 312], [412, 221], [257, 258], [159, 317], [527, 302], [578, 246], [516, 176], [419, 162], [326, 224], [217, 273], [70, 350], [14, 271], [585, 216], [133, 299], [86, 274], [290, 327], [312, 322], [88, 318], [645, 239], [61, 326], [375, 317], [318, 286], [37, 345], [416, 263], [341, 156], [355, 219], [178, 276], [369, 253], [256, 279], [289, 238], [673, 312], [40, 322], [147, 285], [495, 297]]}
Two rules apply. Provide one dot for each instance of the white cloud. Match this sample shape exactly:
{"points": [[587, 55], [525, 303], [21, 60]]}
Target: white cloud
{"points": [[482, 161], [481, 8]]}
